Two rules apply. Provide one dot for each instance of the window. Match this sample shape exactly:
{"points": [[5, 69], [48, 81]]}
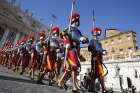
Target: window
{"points": [[137, 47], [112, 41], [106, 43], [120, 40], [135, 39], [112, 50], [134, 35], [121, 49], [129, 48], [117, 70], [128, 37], [136, 73]]}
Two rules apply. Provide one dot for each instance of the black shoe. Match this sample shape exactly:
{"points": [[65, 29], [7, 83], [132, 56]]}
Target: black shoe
{"points": [[65, 87], [21, 73], [50, 84], [75, 91], [14, 70], [93, 91], [40, 82], [32, 78]]}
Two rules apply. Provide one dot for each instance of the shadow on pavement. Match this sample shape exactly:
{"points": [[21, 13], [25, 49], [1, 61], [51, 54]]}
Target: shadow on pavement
{"points": [[16, 79]]}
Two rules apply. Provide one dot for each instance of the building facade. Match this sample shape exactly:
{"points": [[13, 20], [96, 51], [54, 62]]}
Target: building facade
{"points": [[119, 45], [84, 52], [15, 23]]}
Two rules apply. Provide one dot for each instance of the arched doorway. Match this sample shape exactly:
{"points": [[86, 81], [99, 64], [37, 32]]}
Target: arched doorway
{"points": [[1, 32]]}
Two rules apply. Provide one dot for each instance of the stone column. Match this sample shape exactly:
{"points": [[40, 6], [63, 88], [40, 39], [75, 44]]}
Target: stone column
{"points": [[4, 38]]}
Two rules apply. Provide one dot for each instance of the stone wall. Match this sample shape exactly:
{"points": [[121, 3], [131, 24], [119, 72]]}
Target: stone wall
{"points": [[116, 70]]}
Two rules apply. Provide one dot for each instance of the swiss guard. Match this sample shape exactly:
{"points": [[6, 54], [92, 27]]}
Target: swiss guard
{"points": [[96, 60], [72, 38], [51, 57], [39, 46], [55, 45], [16, 55], [30, 47], [24, 55]]}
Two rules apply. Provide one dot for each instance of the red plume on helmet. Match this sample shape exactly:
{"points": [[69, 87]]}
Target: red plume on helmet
{"points": [[55, 29], [75, 17], [8, 44], [22, 40], [96, 31], [42, 35], [11, 45], [31, 36]]}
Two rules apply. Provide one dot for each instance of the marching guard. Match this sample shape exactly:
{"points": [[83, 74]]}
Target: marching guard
{"points": [[24, 55], [96, 60], [15, 57], [34, 57], [55, 46], [72, 38], [51, 60]]}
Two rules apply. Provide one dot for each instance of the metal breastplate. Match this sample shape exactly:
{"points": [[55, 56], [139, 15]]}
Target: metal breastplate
{"points": [[96, 44], [28, 46], [75, 35], [38, 47], [54, 43]]}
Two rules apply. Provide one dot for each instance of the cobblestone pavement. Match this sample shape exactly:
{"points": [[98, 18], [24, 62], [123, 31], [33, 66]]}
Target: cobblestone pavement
{"points": [[11, 82]]}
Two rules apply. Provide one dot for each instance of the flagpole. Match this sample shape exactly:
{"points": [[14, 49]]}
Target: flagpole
{"points": [[72, 8], [93, 19], [93, 24]]}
